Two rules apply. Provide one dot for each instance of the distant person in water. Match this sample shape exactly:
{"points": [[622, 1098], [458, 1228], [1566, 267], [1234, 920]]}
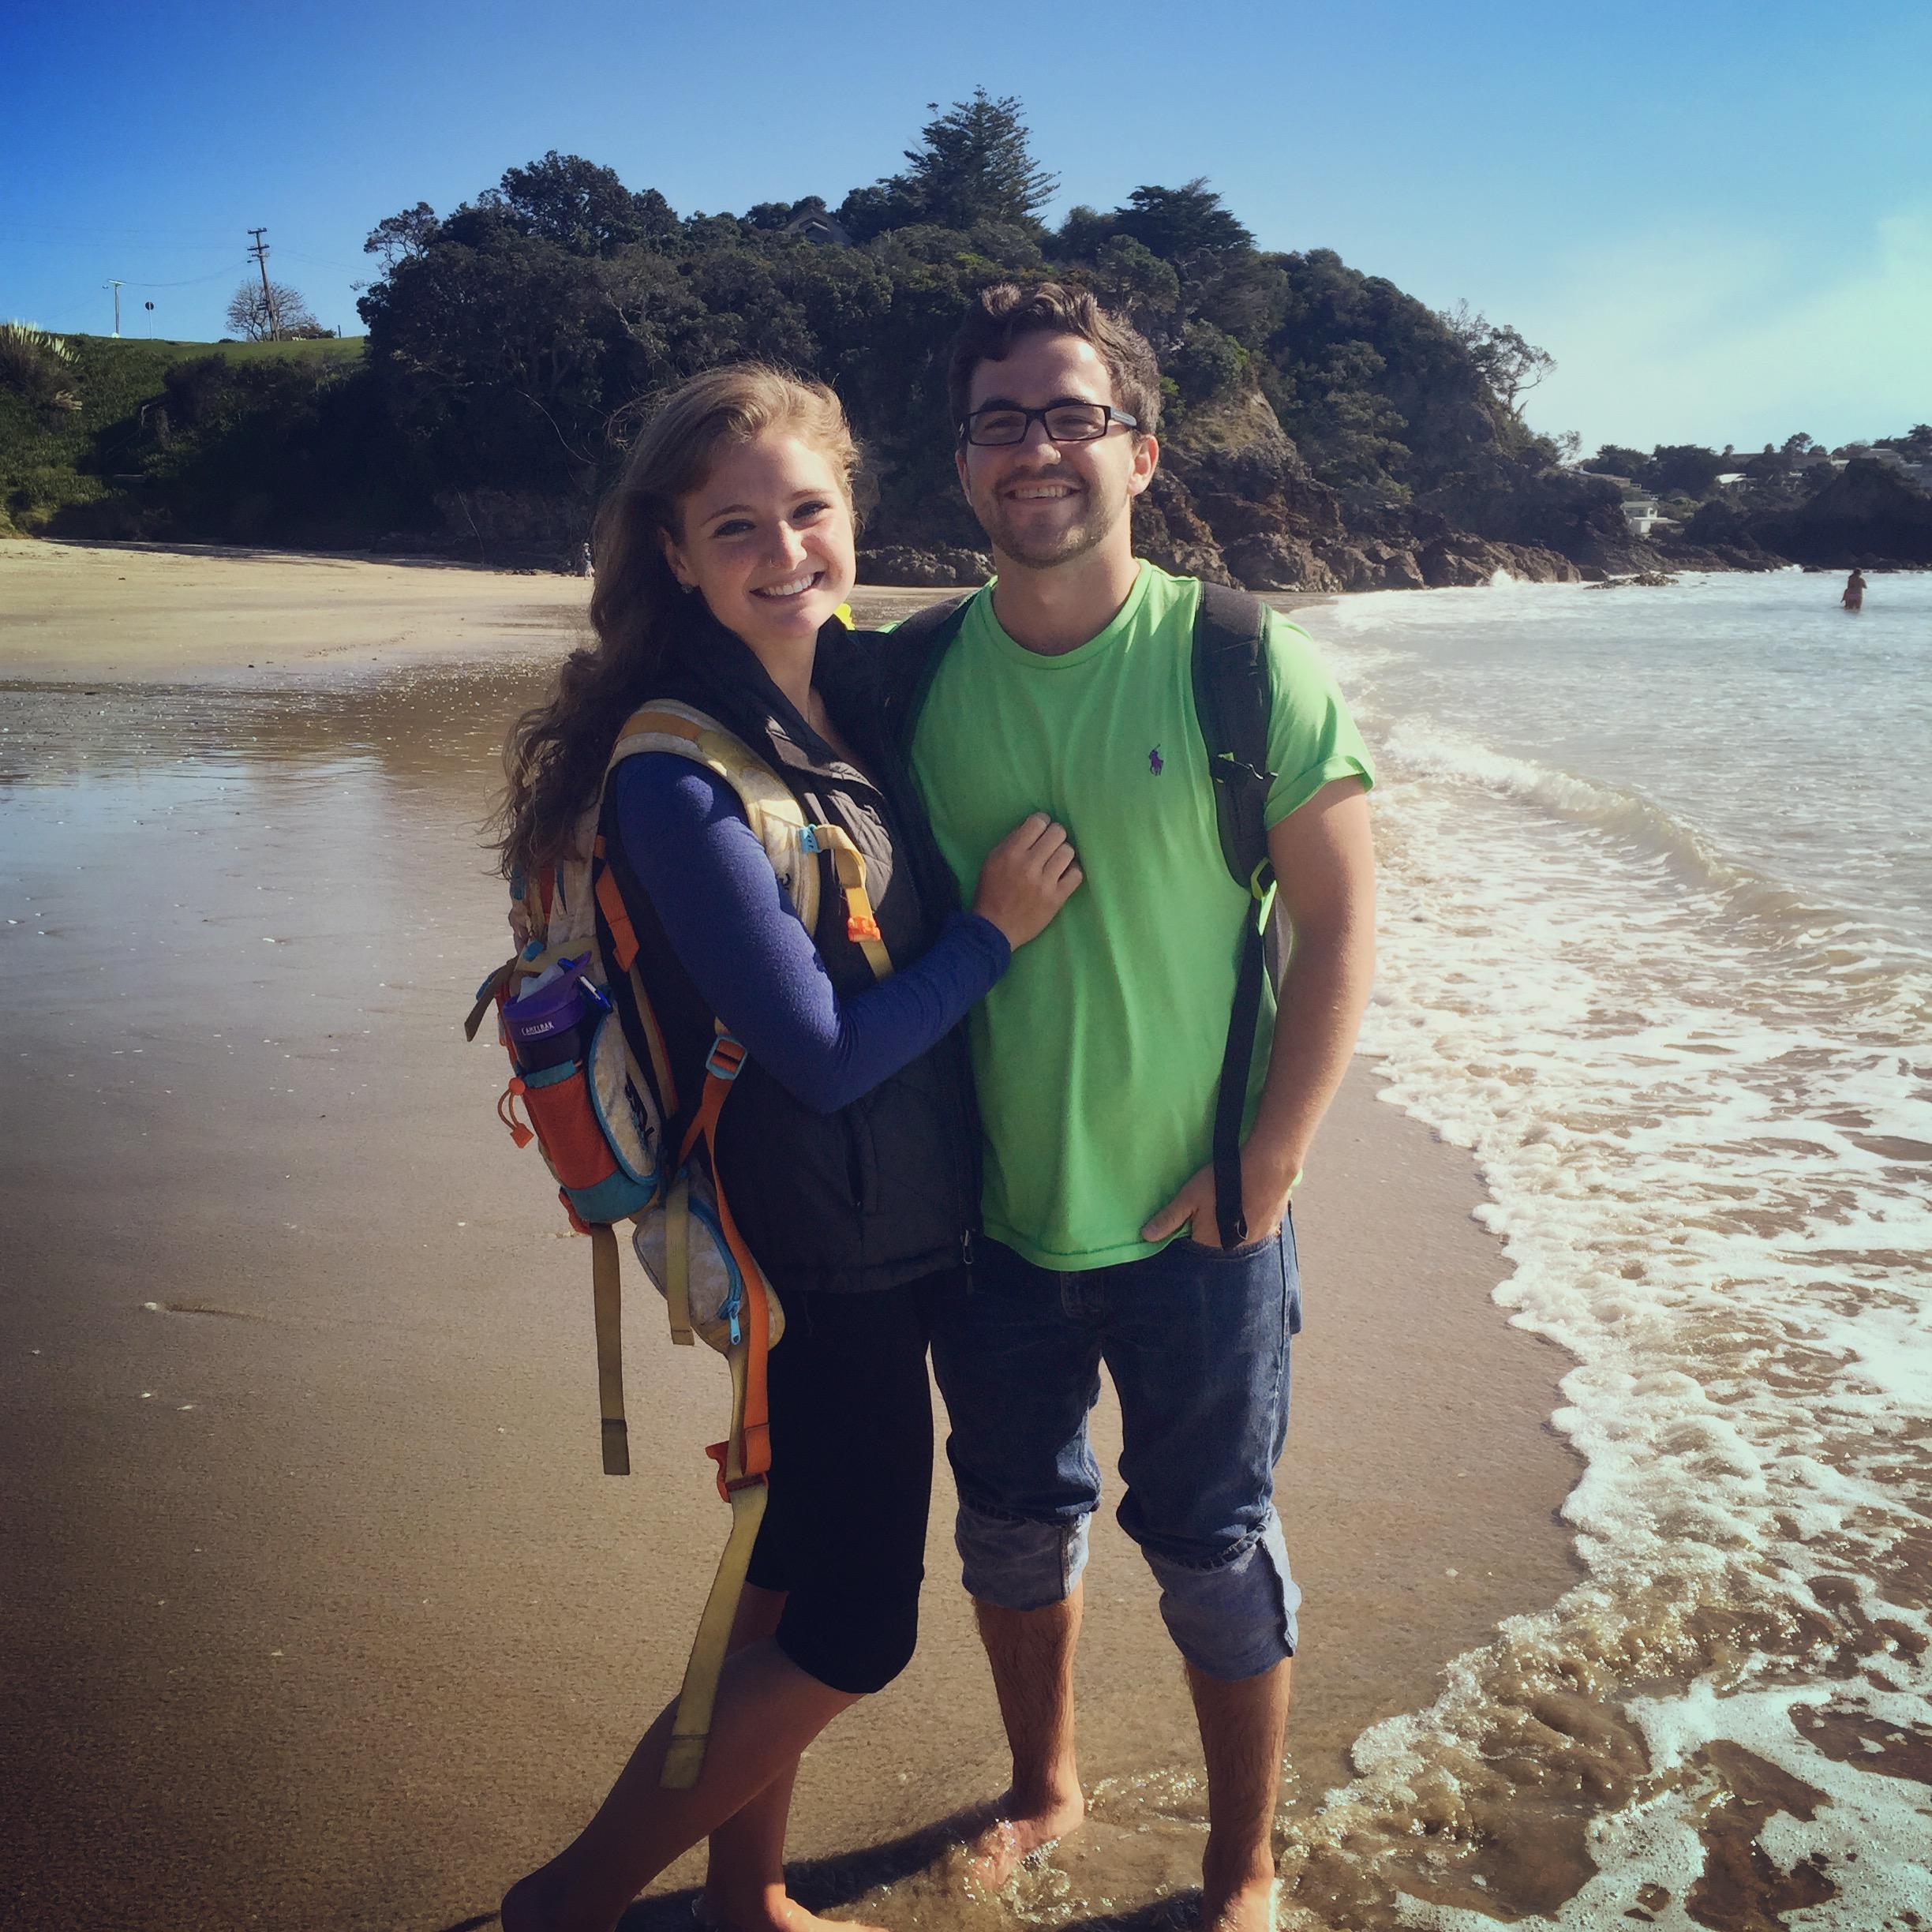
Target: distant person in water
{"points": [[1854, 598]]}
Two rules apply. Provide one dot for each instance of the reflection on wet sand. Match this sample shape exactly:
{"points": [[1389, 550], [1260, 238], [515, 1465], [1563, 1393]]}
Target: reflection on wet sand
{"points": [[323, 1614]]}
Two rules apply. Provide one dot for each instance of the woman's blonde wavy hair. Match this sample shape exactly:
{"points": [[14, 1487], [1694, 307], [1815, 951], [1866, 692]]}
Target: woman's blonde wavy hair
{"points": [[555, 757]]}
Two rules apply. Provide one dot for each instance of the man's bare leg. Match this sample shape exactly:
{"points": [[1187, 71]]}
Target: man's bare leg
{"points": [[768, 1710], [1242, 1726], [744, 1887], [1031, 1654]]}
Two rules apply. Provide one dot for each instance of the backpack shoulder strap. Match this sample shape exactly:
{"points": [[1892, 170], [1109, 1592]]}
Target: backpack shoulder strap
{"points": [[1232, 700], [914, 651], [775, 814]]}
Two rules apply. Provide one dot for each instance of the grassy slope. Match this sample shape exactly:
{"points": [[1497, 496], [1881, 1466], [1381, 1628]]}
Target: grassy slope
{"points": [[49, 459]]}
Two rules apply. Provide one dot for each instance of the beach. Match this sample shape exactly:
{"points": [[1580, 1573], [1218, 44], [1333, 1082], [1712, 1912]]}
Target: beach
{"points": [[321, 1614]]}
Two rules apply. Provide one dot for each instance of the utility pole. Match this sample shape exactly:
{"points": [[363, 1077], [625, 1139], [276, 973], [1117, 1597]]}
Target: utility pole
{"points": [[260, 251], [116, 287]]}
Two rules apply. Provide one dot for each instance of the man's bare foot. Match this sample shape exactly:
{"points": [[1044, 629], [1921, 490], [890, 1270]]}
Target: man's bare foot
{"points": [[1007, 1832], [1248, 1907], [771, 1909]]}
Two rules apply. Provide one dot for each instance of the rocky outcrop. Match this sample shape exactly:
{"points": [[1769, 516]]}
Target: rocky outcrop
{"points": [[1169, 531], [1867, 517], [935, 566], [1234, 503], [1230, 478]]}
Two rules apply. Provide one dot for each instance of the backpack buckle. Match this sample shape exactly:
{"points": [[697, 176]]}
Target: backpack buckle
{"points": [[1231, 770], [808, 839], [726, 1059]]}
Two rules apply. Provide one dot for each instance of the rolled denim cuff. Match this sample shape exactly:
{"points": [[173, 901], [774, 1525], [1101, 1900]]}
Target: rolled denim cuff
{"points": [[1234, 1617], [1015, 1564]]}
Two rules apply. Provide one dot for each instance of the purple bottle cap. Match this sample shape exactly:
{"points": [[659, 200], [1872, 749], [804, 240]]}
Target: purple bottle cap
{"points": [[547, 1018]]}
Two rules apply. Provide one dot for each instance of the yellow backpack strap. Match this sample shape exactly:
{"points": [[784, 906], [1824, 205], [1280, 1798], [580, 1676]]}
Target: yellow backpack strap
{"points": [[774, 813], [691, 1728], [608, 1301], [861, 922], [677, 1258]]}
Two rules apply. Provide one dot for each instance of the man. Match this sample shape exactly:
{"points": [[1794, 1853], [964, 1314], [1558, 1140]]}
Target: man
{"points": [[1067, 689]]}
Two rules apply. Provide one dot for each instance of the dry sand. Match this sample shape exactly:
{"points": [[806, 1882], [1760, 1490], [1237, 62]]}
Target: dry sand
{"points": [[318, 1613]]}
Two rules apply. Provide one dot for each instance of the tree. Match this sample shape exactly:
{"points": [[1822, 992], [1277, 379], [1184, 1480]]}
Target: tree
{"points": [[1510, 366], [271, 315], [1618, 459], [1180, 224], [398, 238], [1684, 469], [974, 164], [582, 208]]}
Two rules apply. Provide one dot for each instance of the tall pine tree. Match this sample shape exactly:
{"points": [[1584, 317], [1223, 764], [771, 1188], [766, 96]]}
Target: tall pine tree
{"points": [[974, 164]]}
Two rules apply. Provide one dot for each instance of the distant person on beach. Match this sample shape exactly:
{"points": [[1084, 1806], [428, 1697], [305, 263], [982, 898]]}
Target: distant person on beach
{"points": [[1854, 598], [1065, 687], [846, 1151]]}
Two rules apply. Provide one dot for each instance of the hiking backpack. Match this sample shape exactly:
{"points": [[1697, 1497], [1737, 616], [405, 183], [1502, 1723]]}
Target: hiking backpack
{"points": [[1232, 699], [589, 1067]]}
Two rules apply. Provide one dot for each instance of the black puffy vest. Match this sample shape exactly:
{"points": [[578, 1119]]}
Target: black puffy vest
{"points": [[886, 1189]]}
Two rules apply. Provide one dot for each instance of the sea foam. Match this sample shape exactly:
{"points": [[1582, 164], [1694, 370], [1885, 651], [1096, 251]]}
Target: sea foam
{"points": [[1700, 1094]]}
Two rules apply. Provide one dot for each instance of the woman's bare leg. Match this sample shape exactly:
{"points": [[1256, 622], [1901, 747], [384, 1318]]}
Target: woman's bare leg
{"points": [[744, 1888], [768, 1710]]}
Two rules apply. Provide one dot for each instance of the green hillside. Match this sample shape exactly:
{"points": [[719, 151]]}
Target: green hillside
{"points": [[53, 459]]}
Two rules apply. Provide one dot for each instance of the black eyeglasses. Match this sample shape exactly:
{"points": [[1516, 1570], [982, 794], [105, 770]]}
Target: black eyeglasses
{"points": [[1000, 424]]}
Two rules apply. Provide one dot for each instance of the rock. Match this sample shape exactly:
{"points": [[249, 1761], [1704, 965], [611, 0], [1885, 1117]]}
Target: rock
{"points": [[1458, 562], [1400, 570], [1169, 531], [937, 566], [1274, 562]]}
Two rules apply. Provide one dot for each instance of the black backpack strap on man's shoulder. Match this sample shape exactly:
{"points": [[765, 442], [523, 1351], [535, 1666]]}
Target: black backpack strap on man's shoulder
{"points": [[1232, 699], [913, 651]]}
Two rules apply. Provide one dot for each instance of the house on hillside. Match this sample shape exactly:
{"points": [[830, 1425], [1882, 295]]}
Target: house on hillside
{"points": [[816, 224], [1641, 514]]}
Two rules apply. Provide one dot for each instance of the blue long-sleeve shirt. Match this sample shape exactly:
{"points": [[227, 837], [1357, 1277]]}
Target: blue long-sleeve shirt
{"points": [[733, 928]]}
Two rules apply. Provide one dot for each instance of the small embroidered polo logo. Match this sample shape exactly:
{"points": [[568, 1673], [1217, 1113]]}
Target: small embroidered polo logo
{"points": [[1155, 764]]}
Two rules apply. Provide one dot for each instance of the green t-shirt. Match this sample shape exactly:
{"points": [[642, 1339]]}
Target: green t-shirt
{"points": [[1097, 1056]]}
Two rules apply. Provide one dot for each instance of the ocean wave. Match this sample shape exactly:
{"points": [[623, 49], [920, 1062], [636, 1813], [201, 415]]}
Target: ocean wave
{"points": [[1832, 937]]}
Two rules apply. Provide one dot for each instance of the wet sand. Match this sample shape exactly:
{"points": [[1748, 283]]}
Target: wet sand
{"points": [[319, 1613]]}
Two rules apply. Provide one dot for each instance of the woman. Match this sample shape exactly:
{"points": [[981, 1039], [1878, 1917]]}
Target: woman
{"points": [[848, 1148]]}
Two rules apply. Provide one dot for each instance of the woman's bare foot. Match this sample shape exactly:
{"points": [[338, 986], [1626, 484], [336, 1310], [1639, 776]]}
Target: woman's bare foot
{"points": [[531, 1905], [770, 1909], [1008, 1833], [522, 1909]]}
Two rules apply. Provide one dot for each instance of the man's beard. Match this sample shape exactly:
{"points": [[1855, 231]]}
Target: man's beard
{"points": [[1042, 551]]}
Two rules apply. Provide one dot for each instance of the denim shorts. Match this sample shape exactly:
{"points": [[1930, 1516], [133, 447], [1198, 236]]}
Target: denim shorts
{"points": [[1196, 1341]]}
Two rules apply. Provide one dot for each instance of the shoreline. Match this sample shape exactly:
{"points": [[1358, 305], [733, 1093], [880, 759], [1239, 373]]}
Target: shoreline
{"points": [[348, 1629], [107, 613]]}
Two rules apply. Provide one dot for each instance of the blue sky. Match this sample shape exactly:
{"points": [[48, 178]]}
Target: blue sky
{"points": [[1718, 217]]}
